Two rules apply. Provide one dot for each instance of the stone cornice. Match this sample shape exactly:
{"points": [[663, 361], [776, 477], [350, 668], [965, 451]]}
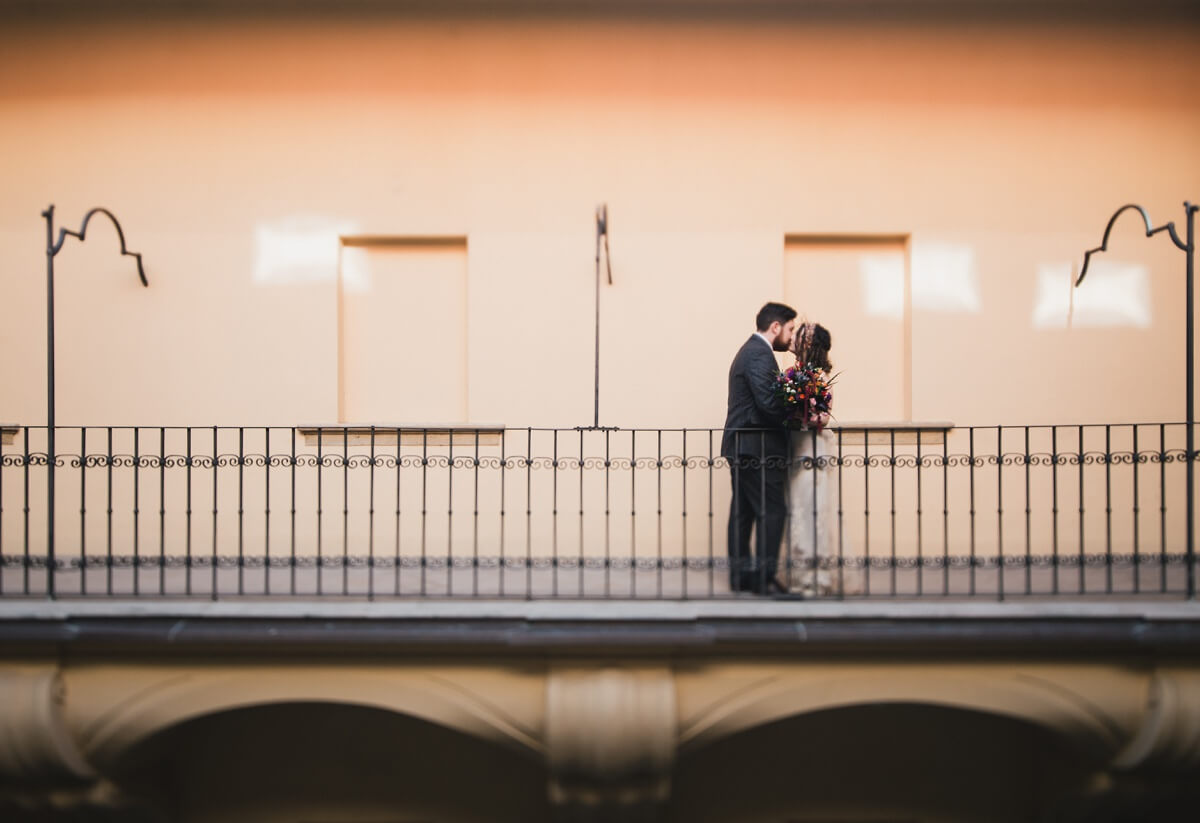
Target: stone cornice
{"points": [[1155, 631]]}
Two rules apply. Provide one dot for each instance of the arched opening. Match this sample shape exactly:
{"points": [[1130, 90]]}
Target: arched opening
{"points": [[328, 763], [883, 763]]}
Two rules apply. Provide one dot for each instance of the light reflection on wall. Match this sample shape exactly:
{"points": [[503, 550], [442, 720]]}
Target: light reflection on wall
{"points": [[1113, 294], [297, 249], [882, 277], [356, 269], [944, 278]]}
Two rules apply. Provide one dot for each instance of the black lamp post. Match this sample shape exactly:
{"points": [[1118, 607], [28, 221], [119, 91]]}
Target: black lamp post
{"points": [[53, 248], [1190, 249]]}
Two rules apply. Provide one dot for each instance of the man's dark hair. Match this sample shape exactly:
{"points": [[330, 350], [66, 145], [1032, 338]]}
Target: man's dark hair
{"points": [[772, 312]]}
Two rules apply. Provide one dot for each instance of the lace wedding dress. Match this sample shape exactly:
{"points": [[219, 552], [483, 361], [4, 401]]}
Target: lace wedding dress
{"points": [[813, 499]]}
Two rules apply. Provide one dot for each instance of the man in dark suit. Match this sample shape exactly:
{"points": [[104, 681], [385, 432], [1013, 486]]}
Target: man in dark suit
{"points": [[756, 445]]}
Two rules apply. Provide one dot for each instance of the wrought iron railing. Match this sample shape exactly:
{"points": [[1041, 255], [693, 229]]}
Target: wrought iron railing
{"points": [[219, 512]]}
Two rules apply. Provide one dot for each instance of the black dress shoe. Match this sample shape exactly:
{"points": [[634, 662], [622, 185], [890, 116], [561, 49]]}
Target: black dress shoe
{"points": [[744, 583], [775, 587], [765, 586]]}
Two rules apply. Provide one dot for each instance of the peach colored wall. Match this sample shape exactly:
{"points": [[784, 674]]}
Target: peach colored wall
{"points": [[1005, 146]]}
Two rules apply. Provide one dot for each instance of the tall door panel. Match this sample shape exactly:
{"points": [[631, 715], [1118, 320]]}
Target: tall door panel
{"points": [[858, 288], [402, 331]]}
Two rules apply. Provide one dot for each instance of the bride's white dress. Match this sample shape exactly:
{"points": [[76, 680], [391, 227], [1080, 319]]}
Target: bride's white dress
{"points": [[813, 529]]}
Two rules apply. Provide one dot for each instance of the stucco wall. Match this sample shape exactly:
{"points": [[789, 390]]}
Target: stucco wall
{"points": [[1002, 147]]}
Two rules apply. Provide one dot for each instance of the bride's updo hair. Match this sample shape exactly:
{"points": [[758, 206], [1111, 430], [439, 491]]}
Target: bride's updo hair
{"points": [[811, 345]]}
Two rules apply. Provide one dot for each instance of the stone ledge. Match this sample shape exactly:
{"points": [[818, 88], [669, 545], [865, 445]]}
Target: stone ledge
{"points": [[457, 434], [598, 610], [1056, 638], [898, 432]]}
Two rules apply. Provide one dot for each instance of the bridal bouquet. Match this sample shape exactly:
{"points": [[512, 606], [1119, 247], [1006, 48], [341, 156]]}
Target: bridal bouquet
{"points": [[805, 392]]}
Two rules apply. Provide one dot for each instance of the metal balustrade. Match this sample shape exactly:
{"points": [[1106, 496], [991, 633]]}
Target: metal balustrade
{"points": [[998, 512]]}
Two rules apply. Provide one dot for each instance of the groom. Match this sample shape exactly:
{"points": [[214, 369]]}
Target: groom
{"points": [[756, 445]]}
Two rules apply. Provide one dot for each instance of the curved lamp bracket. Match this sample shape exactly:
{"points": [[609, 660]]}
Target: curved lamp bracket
{"points": [[82, 235], [1150, 232]]}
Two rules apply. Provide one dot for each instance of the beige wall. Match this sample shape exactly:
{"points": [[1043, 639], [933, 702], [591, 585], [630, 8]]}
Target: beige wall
{"points": [[998, 150]]}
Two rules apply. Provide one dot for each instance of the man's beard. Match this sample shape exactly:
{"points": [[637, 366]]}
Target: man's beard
{"points": [[780, 346]]}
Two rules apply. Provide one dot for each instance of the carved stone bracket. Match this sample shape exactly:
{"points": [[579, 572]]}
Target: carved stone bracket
{"points": [[1169, 736], [610, 737], [34, 742]]}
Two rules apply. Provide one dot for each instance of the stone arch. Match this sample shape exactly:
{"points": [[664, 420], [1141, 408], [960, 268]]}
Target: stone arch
{"points": [[881, 760], [1095, 708], [150, 702], [288, 760]]}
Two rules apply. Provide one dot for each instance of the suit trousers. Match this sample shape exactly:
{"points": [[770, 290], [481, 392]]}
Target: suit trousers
{"points": [[758, 505]]}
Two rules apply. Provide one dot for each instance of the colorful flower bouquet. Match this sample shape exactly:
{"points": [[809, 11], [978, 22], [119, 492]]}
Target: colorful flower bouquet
{"points": [[805, 392]]}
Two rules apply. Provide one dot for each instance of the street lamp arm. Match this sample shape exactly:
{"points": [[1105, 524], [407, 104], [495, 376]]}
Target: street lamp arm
{"points": [[1150, 232], [82, 235]]}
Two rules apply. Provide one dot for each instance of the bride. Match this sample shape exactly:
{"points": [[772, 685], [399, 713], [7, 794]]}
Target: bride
{"points": [[813, 477]]}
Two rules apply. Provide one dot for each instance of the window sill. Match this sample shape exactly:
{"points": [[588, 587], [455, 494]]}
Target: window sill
{"points": [[463, 434], [881, 433]]}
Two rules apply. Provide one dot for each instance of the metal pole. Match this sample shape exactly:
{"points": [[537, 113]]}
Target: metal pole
{"points": [[50, 453], [601, 234], [600, 229], [1191, 407]]}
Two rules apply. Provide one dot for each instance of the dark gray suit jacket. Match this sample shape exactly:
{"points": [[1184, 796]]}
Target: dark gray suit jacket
{"points": [[753, 404]]}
